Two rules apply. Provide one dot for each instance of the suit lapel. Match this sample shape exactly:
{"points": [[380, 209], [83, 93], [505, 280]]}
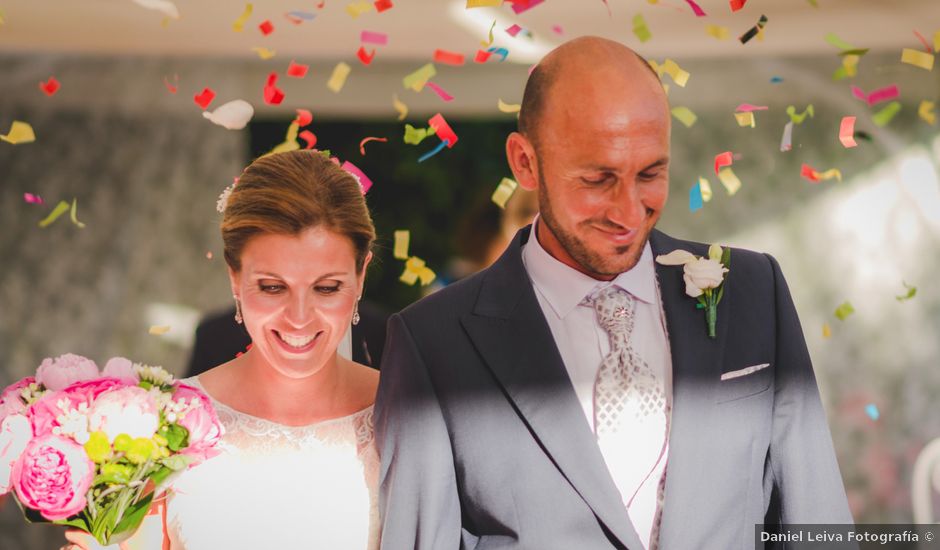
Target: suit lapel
{"points": [[696, 368], [510, 332]]}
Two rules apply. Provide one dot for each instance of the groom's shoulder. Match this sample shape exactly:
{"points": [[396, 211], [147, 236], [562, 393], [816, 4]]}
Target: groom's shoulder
{"points": [[449, 302], [744, 261]]}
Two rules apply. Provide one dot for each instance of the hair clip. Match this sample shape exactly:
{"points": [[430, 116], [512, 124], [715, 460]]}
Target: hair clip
{"points": [[223, 198]]}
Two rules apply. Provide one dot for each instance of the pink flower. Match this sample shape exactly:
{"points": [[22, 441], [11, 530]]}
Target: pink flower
{"points": [[52, 476], [10, 400], [15, 433], [56, 374], [122, 368], [43, 413], [129, 410], [205, 430]]}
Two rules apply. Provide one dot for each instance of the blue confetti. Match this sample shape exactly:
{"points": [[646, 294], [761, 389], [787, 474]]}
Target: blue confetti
{"points": [[502, 52], [303, 15], [776, 79], [434, 151], [872, 411], [695, 197]]}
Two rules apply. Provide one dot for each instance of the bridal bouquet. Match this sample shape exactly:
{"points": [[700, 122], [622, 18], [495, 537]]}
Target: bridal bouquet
{"points": [[92, 449]]}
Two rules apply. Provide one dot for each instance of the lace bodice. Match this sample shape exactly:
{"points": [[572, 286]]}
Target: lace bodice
{"points": [[277, 486]]}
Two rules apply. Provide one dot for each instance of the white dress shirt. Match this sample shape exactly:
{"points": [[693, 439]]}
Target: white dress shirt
{"points": [[583, 344]]}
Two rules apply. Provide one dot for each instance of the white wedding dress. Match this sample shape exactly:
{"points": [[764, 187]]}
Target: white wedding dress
{"points": [[277, 487]]}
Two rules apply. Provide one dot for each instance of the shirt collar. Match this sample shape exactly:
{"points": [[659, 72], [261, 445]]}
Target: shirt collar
{"points": [[565, 287]]}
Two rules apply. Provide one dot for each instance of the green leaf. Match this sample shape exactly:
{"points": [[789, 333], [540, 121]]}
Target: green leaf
{"points": [[911, 292], [134, 515], [177, 437], [78, 522], [160, 475], [844, 310], [177, 462], [726, 257]]}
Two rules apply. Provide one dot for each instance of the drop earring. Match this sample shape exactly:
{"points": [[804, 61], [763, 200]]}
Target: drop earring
{"points": [[355, 317], [238, 311]]}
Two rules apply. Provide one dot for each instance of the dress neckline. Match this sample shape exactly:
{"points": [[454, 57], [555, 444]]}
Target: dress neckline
{"points": [[194, 381]]}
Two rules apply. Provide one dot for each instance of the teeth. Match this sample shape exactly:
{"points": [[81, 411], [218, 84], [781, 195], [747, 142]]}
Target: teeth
{"points": [[296, 341]]}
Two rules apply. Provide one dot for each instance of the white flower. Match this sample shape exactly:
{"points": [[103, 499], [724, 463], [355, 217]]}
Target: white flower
{"points": [[129, 410], [702, 274], [157, 376]]}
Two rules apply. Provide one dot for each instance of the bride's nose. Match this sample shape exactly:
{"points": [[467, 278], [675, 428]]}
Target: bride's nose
{"points": [[300, 310]]}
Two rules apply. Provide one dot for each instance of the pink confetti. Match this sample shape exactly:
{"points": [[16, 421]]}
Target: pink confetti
{"points": [[519, 6], [747, 107], [513, 30], [362, 144], [557, 29], [877, 96], [172, 88], [847, 132], [440, 91], [371, 37], [364, 180], [33, 199], [722, 160], [699, 12]]}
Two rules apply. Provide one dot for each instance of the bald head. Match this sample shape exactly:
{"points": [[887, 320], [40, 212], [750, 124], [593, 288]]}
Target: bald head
{"points": [[585, 59]]}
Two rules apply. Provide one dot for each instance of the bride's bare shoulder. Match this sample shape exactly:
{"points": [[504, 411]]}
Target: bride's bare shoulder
{"points": [[364, 382]]}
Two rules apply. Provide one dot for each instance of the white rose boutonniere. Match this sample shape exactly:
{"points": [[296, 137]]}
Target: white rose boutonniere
{"points": [[704, 278]]}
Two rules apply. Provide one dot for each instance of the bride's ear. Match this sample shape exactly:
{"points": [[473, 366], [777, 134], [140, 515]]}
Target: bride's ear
{"points": [[362, 274], [233, 281]]}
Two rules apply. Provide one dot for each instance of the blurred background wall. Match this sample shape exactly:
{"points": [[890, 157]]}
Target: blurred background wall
{"points": [[145, 169]]}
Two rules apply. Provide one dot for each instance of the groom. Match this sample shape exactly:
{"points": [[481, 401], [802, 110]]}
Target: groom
{"points": [[569, 396]]}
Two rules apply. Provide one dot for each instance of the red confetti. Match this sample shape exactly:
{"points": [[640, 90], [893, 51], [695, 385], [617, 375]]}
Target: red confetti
{"points": [[722, 160], [272, 95], [321, 4], [304, 117], [297, 70], [266, 27], [36, 199], [364, 56], [448, 57], [923, 41], [171, 87], [443, 130], [699, 12], [482, 56], [382, 5], [737, 4], [807, 172], [362, 144], [50, 87], [309, 137], [519, 6], [205, 98]]}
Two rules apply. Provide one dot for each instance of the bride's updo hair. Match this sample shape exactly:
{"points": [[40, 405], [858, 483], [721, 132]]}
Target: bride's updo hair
{"points": [[288, 193]]}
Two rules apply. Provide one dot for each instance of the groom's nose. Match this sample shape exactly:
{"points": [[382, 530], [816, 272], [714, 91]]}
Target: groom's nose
{"points": [[626, 207]]}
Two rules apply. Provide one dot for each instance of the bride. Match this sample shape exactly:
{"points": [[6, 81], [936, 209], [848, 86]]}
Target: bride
{"points": [[298, 467]]}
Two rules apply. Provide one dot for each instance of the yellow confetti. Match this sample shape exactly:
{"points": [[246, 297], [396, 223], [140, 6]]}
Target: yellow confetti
{"points": [[338, 78], [798, 118], [925, 112], [504, 190], [415, 269], [829, 174], [290, 142], [358, 8], [827, 331], [684, 115], [670, 67], [745, 119], [400, 107], [508, 107], [239, 24], [59, 209], [414, 136], [402, 238], [483, 3], [488, 43], [264, 53], [20, 132], [640, 29], [721, 33], [416, 80], [936, 41], [74, 214], [849, 67], [157, 330], [917, 58], [426, 275], [729, 180], [884, 116], [1, 17], [706, 189]]}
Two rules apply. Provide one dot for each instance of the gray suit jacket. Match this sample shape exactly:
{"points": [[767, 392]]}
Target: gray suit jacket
{"points": [[484, 444]]}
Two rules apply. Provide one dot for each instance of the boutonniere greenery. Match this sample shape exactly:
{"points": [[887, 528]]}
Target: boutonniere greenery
{"points": [[704, 278]]}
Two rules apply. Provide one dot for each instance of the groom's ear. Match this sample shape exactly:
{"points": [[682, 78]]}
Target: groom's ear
{"points": [[521, 156]]}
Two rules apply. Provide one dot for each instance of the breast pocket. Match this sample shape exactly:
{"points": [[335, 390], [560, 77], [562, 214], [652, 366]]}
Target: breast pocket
{"points": [[744, 382]]}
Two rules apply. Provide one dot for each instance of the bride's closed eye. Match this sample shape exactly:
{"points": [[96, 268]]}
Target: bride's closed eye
{"points": [[328, 289]]}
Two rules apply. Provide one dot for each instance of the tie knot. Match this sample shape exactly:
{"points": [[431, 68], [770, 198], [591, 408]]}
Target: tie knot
{"points": [[614, 307]]}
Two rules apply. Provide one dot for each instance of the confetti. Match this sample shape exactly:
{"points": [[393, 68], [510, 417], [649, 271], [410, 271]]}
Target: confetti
{"points": [[436, 150], [204, 98], [557, 29], [696, 9], [872, 411], [365, 57], [416, 80], [640, 30], [834, 40], [798, 118], [925, 112], [158, 330], [717, 31], [482, 56], [489, 42], [483, 3], [923, 41], [290, 141], [272, 94], [309, 137], [165, 7], [264, 53], [338, 78], [737, 4], [298, 17], [847, 132], [209, 255], [20, 132], [745, 107], [50, 87], [33, 199], [513, 30], [706, 189], [519, 6], [911, 292], [73, 214], [358, 8], [826, 331], [440, 91], [505, 189], [57, 212], [695, 198], [400, 249], [884, 116], [304, 117], [753, 31], [917, 58], [684, 115], [786, 142], [815, 176], [936, 41], [266, 27], [745, 119], [414, 136], [729, 180], [448, 57], [776, 79], [372, 37], [501, 52], [172, 88], [416, 269], [382, 5], [362, 144], [297, 70], [848, 69], [443, 130], [239, 24], [233, 115], [364, 182], [844, 310], [670, 67], [877, 96], [508, 107], [400, 107], [722, 160]]}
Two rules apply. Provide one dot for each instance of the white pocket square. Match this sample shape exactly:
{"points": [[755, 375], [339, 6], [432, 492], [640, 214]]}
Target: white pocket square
{"points": [[744, 372]]}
